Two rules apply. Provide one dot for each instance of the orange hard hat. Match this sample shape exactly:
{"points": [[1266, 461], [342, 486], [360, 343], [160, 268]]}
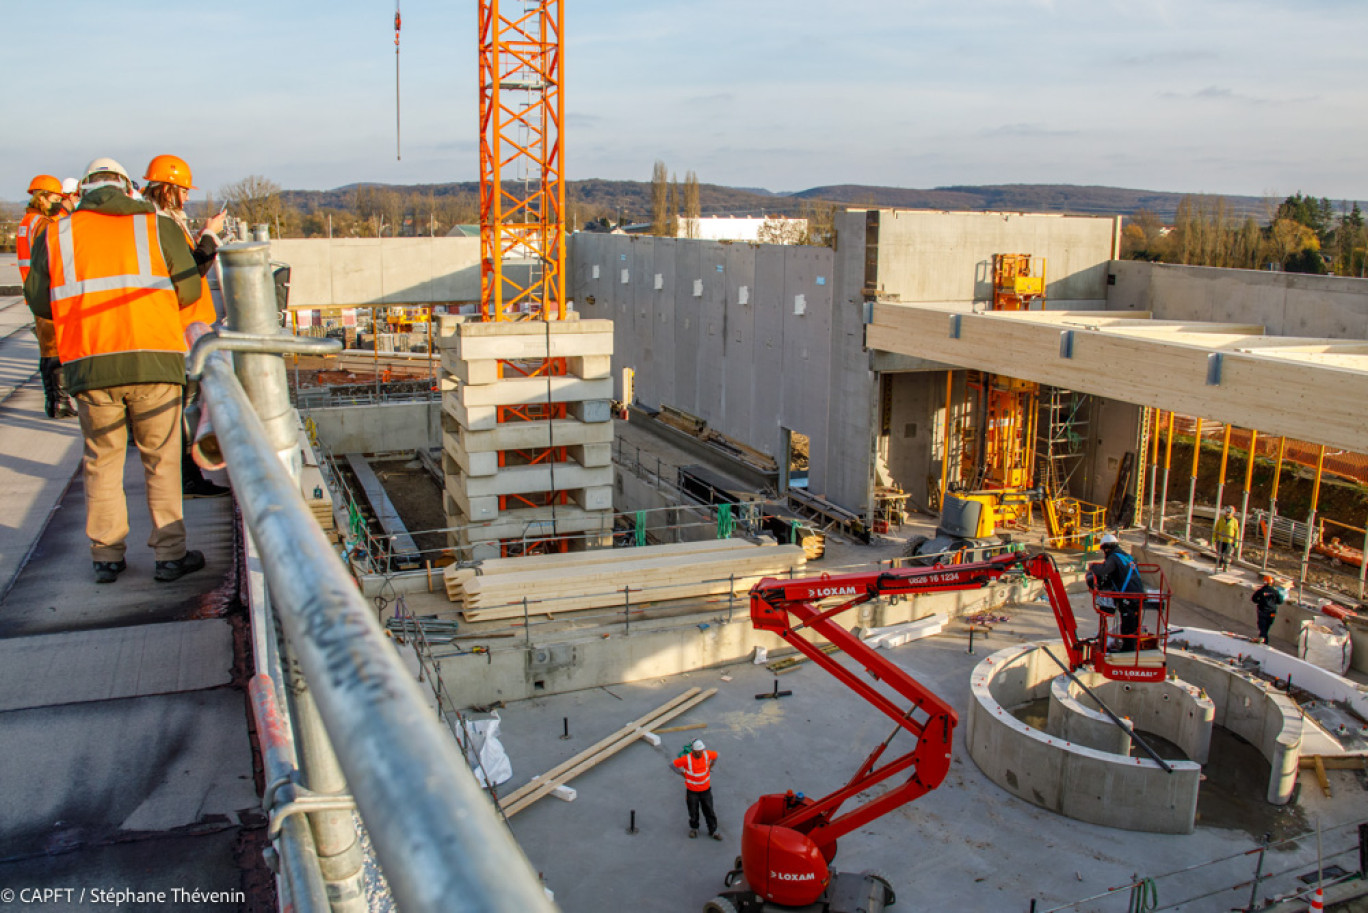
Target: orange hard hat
{"points": [[45, 182], [169, 169]]}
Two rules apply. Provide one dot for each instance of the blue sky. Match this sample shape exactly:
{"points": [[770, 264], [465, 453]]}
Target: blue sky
{"points": [[1207, 96]]}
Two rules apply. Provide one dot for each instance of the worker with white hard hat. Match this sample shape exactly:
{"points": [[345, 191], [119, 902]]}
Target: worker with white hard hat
{"points": [[113, 277], [695, 765], [1225, 534], [1118, 590], [71, 196]]}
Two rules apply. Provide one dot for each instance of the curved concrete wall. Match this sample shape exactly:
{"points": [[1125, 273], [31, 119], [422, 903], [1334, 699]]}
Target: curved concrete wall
{"points": [[1112, 789], [1076, 781], [1175, 710], [1251, 709]]}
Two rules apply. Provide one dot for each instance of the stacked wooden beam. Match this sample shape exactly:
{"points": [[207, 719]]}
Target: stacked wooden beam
{"points": [[640, 728], [572, 582], [499, 482]]}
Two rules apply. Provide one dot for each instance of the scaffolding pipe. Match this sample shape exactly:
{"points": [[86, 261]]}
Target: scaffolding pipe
{"points": [[1220, 481], [945, 443], [1154, 465], [1273, 502], [1168, 464], [1192, 483], [295, 846], [439, 842], [250, 300], [1311, 515], [1244, 498]]}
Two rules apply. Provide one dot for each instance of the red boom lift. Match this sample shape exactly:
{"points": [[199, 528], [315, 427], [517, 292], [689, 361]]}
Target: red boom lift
{"points": [[789, 840]]}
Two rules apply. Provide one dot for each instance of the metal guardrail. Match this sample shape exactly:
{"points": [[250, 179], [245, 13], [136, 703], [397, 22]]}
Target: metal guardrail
{"points": [[439, 841]]}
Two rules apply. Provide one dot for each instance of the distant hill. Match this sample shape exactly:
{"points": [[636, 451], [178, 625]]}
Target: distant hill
{"points": [[633, 198]]}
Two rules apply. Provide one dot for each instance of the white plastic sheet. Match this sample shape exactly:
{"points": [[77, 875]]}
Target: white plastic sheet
{"points": [[485, 752], [1325, 643]]}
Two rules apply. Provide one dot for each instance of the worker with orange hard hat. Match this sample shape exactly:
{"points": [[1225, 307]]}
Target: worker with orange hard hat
{"points": [[169, 183], [44, 207], [1266, 600]]}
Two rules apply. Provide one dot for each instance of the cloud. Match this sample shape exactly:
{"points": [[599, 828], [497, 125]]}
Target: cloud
{"points": [[716, 98], [1026, 130], [1221, 93], [1168, 58]]}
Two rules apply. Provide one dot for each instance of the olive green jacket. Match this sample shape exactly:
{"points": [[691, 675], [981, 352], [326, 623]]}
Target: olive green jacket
{"points": [[119, 368]]}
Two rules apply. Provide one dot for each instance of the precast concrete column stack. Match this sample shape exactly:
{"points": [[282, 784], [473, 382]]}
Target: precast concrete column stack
{"points": [[527, 432]]}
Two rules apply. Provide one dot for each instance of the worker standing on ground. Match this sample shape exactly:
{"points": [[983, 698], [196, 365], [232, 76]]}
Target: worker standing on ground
{"points": [[113, 277], [168, 188], [1117, 574], [45, 205], [696, 768], [1266, 600], [1226, 533]]}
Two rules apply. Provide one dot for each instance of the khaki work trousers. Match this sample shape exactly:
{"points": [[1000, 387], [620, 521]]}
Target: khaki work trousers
{"points": [[153, 411]]}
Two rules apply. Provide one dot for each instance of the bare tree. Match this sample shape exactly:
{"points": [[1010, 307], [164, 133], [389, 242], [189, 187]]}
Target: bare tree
{"points": [[660, 199], [693, 210], [254, 199], [673, 199]]}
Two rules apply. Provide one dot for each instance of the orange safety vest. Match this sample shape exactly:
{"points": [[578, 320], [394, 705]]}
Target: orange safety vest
{"points": [[110, 287], [697, 772], [29, 228], [203, 308]]}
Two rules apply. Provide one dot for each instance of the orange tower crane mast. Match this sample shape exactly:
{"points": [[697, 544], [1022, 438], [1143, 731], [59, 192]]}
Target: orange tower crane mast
{"points": [[522, 160]]}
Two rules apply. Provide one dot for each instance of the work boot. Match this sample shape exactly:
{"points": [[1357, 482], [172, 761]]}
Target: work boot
{"points": [[109, 571], [693, 833], [202, 488], [48, 369], [715, 836], [175, 570]]}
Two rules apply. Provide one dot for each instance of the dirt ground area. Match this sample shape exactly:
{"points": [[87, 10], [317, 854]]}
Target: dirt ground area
{"points": [[418, 499]]}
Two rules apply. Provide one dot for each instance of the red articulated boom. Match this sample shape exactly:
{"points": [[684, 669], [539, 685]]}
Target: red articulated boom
{"points": [[789, 840]]}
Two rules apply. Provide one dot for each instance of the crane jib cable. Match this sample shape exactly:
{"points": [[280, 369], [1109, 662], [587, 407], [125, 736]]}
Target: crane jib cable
{"points": [[398, 22]]}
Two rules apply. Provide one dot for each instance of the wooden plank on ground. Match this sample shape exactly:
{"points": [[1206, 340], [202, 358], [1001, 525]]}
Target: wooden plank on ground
{"points": [[606, 748]]}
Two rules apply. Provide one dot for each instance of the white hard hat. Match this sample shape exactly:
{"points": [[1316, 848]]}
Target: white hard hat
{"points": [[1109, 539], [70, 185], [697, 745], [105, 164]]}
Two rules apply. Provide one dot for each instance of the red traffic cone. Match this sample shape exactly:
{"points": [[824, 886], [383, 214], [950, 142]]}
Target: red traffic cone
{"points": [[1317, 902]]}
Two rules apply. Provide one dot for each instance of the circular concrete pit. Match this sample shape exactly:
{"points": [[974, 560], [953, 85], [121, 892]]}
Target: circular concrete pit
{"points": [[1078, 763]]}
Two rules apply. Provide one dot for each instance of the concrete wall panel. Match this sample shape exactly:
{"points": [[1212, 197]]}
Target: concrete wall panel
{"points": [[681, 366], [736, 403], [345, 272], [948, 256], [1287, 304]]}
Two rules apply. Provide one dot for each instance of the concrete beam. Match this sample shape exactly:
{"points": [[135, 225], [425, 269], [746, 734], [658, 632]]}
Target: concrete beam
{"points": [[528, 391], [487, 371], [1311, 402]]}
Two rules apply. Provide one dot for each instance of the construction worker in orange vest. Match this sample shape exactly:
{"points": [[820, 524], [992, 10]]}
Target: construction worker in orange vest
{"points": [[168, 188], [696, 768], [112, 278], [45, 203]]}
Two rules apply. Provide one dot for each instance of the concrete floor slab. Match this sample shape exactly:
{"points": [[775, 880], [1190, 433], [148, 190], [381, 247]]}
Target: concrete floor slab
{"points": [[56, 591], [91, 773], [967, 845], [115, 663]]}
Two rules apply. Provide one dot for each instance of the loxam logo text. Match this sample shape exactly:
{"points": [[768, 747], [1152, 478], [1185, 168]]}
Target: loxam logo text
{"points": [[822, 592], [793, 876]]}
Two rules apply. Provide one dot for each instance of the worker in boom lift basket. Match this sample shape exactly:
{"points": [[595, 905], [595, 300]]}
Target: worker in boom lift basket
{"points": [[696, 766], [1117, 573]]}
